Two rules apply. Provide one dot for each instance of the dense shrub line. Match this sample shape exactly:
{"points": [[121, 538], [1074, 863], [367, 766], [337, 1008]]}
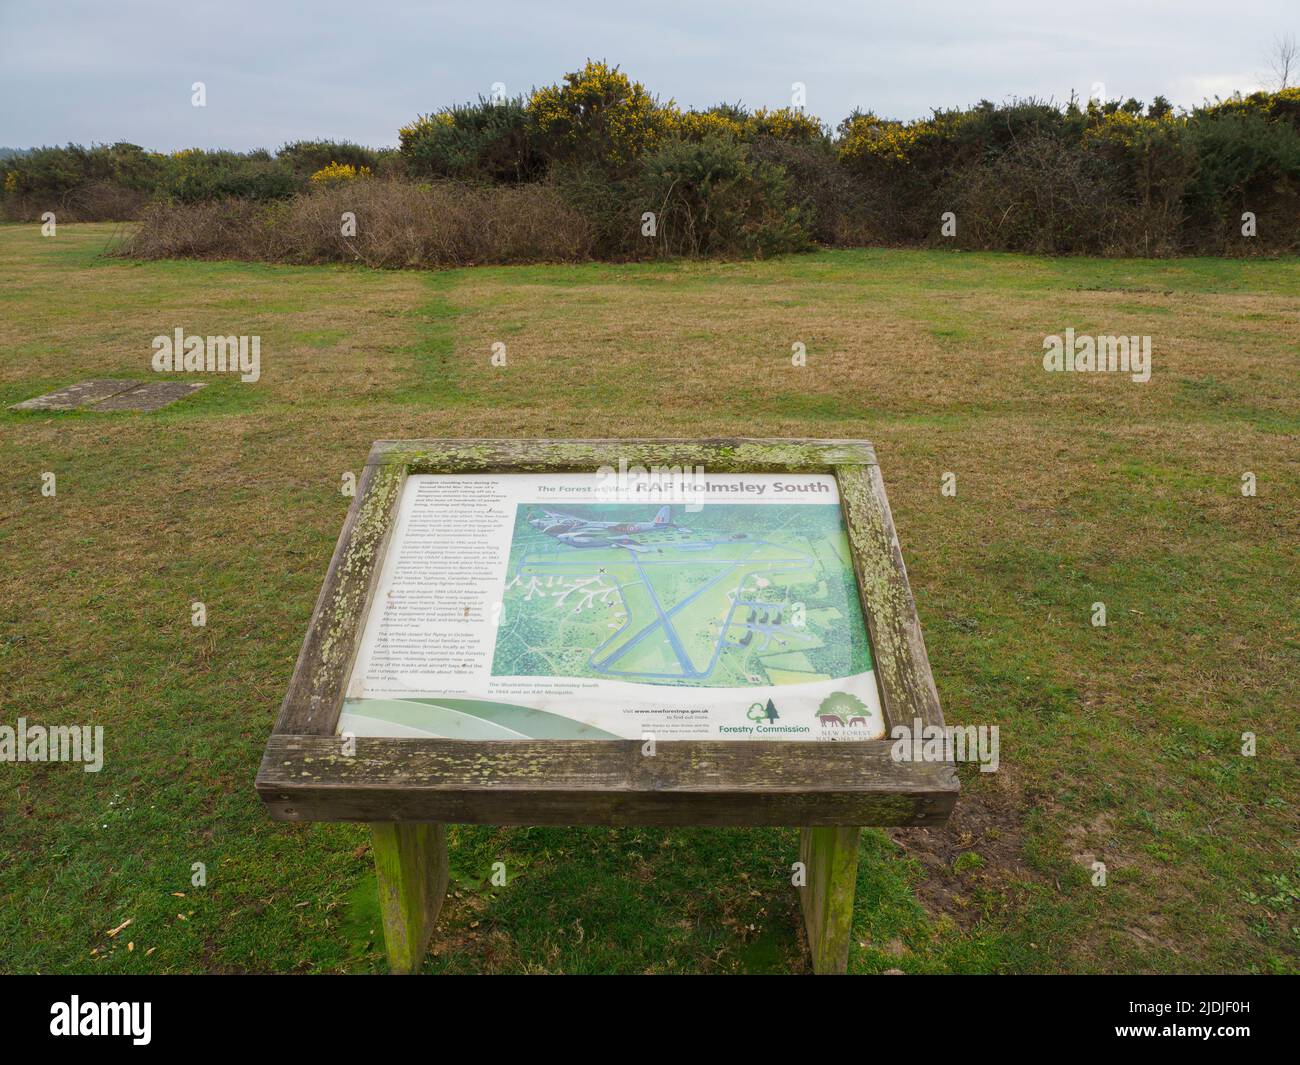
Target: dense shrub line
{"points": [[398, 224], [114, 182], [617, 173]]}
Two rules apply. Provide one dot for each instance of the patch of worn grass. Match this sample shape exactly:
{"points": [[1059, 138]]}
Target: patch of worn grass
{"points": [[1119, 744]]}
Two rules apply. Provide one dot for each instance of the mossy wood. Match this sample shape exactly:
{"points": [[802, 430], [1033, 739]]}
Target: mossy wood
{"points": [[411, 868], [830, 859], [306, 776]]}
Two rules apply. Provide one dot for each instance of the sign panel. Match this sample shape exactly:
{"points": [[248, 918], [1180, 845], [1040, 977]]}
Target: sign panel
{"points": [[584, 606]]}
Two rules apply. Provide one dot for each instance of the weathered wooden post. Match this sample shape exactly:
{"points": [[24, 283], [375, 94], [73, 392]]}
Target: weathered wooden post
{"points": [[830, 860], [411, 867], [410, 708]]}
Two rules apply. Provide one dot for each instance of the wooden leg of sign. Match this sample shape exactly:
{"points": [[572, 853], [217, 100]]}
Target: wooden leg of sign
{"points": [[830, 861], [411, 863]]}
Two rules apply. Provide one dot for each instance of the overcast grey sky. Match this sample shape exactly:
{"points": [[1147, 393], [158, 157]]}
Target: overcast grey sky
{"points": [[122, 69]]}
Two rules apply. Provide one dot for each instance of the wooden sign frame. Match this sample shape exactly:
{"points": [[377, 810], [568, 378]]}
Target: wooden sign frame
{"points": [[307, 776]]}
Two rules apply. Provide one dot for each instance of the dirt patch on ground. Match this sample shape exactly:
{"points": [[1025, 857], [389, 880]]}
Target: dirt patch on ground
{"points": [[1093, 842], [974, 861], [464, 930]]}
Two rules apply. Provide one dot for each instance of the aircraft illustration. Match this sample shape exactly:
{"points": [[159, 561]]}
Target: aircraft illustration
{"points": [[584, 532]]}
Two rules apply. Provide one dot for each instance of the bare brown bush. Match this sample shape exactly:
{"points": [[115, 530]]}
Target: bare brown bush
{"points": [[97, 201], [105, 201], [1043, 196], [398, 224], [1037, 197]]}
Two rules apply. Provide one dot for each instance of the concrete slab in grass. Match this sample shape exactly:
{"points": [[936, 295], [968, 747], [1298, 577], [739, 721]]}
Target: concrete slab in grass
{"points": [[152, 396], [113, 395], [74, 397]]}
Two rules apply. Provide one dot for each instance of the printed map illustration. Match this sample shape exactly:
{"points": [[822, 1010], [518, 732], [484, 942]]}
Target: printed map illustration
{"points": [[724, 595]]}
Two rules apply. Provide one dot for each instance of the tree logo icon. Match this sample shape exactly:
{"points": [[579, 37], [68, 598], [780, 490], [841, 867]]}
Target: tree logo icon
{"points": [[842, 710], [761, 712]]}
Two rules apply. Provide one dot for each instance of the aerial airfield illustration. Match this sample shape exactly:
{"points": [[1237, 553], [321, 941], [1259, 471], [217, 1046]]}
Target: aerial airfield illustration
{"points": [[742, 595]]}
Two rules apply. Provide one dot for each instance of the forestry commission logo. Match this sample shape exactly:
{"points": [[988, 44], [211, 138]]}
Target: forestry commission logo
{"points": [[763, 720]]}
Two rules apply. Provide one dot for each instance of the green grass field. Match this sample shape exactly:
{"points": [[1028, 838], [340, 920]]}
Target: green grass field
{"points": [[1120, 744]]}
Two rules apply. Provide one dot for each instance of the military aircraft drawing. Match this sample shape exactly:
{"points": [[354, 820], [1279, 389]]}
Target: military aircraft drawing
{"points": [[584, 532]]}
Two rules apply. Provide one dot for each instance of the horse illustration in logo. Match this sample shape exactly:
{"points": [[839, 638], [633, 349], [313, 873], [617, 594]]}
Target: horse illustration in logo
{"points": [[842, 710]]}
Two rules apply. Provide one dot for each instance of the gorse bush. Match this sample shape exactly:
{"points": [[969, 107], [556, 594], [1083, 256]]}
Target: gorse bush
{"points": [[707, 198], [1245, 161], [816, 184], [194, 176], [489, 140], [69, 179], [66, 180], [334, 173], [310, 157], [599, 116], [732, 120], [1114, 177]]}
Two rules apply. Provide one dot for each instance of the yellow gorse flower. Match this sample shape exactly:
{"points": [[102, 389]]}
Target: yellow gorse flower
{"points": [[336, 172], [599, 108]]}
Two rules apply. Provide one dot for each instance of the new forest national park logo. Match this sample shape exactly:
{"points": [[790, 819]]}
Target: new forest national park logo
{"points": [[840, 713]]}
